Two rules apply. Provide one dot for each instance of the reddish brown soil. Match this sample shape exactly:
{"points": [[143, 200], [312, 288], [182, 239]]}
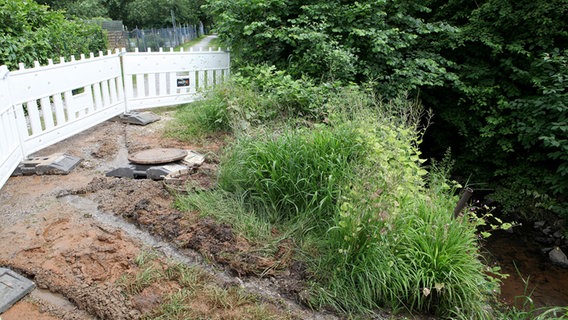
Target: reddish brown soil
{"points": [[68, 252]]}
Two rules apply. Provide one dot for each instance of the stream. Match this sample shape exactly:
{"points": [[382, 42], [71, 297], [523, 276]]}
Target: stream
{"points": [[530, 272]]}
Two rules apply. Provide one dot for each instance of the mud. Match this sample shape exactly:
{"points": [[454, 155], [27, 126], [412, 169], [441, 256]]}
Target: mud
{"points": [[77, 235], [148, 205], [65, 250]]}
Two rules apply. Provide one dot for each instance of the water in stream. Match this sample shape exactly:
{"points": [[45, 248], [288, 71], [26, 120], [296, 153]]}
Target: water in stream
{"points": [[523, 260]]}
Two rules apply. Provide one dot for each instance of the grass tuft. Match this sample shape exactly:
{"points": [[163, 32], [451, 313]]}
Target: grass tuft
{"points": [[296, 175]]}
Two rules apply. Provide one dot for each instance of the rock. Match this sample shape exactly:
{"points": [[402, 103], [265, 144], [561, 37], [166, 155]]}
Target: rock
{"points": [[558, 234], [558, 257], [539, 224], [546, 230], [544, 240], [193, 159]]}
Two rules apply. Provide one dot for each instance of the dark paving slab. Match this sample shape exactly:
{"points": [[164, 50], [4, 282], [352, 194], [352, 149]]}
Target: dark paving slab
{"points": [[13, 287]]}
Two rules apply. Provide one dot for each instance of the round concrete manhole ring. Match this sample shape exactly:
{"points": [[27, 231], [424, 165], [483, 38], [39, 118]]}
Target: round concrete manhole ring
{"points": [[157, 156]]}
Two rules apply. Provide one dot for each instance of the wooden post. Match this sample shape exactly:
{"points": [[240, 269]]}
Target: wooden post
{"points": [[463, 201]]}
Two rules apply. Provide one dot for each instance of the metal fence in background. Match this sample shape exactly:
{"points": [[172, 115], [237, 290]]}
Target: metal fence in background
{"points": [[153, 39], [119, 37]]}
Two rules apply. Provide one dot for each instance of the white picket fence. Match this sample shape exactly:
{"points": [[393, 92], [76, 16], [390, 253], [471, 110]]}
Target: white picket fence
{"points": [[46, 104]]}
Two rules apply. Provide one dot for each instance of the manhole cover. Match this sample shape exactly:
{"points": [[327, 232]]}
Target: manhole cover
{"points": [[157, 156]]}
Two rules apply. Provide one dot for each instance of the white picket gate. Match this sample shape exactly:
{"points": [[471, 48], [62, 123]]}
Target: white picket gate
{"points": [[46, 104], [154, 79]]}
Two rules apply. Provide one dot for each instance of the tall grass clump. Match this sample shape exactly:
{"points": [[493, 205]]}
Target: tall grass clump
{"points": [[297, 174], [419, 260], [393, 241]]}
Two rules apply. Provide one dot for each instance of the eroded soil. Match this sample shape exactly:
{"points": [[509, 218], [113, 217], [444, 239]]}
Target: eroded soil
{"points": [[76, 258]]}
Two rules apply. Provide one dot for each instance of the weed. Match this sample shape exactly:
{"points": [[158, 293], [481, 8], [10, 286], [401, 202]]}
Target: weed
{"points": [[196, 296], [375, 228], [135, 283]]}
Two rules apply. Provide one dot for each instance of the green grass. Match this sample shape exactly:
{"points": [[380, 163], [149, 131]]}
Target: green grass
{"points": [[198, 120], [189, 44], [374, 227], [298, 174], [197, 294], [225, 207]]}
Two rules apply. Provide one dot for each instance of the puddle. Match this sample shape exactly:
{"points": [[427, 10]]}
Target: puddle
{"points": [[54, 299]]}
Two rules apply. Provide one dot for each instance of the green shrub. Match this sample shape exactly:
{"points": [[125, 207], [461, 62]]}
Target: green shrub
{"points": [[419, 260], [288, 97], [375, 229]]}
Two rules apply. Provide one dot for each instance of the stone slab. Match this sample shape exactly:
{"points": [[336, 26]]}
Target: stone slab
{"points": [[139, 118], [160, 172], [13, 287], [123, 172], [157, 156], [132, 171], [193, 159], [57, 163]]}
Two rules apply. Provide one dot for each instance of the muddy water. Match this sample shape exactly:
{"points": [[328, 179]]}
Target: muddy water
{"points": [[530, 272]]}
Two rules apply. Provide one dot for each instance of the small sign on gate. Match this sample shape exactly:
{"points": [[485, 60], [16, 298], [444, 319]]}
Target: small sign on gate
{"points": [[183, 82]]}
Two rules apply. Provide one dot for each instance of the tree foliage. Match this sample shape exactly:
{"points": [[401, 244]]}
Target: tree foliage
{"points": [[135, 13], [493, 71], [31, 32], [340, 40], [158, 13], [509, 107]]}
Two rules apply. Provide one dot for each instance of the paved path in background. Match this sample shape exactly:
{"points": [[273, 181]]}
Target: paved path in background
{"points": [[204, 43]]}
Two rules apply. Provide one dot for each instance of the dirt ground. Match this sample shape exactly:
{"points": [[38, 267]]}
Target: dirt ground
{"points": [[75, 235]]}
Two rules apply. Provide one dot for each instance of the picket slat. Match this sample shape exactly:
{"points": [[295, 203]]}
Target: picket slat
{"points": [[106, 93], [97, 94], [59, 109]]}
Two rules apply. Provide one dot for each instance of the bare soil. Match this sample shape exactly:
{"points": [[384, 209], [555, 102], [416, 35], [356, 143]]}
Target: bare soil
{"points": [[54, 231]]}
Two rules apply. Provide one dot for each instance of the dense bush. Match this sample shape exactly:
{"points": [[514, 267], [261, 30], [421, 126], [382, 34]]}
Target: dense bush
{"points": [[30, 32], [507, 116], [336, 40]]}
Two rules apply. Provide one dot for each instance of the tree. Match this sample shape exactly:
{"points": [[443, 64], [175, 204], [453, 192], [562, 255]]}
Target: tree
{"points": [[158, 13], [31, 32], [507, 115], [382, 41]]}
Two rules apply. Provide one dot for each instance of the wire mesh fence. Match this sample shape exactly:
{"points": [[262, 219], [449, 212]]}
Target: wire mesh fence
{"points": [[143, 39], [153, 39]]}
